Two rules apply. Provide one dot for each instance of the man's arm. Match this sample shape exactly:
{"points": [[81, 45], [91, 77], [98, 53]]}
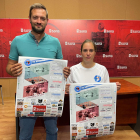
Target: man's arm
{"points": [[14, 68]]}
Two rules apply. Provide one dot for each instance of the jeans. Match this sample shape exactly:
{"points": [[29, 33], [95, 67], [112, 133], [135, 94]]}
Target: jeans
{"points": [[27, 127]]}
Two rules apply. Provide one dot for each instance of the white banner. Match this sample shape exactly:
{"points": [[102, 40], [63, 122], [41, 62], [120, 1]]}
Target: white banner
{"points": [[92, 110], [40, 87]]}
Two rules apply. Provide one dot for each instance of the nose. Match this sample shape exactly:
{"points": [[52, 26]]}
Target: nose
{"points": [[88, 52], [38, 20]]}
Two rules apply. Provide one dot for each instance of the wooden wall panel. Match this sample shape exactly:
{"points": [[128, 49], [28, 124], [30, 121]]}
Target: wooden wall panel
{"points": [[12, 87], [114, 9], [49, 4], [5, 87], [90, 9], [66, 9], [2, 9], [16, 8], [133, 9]]}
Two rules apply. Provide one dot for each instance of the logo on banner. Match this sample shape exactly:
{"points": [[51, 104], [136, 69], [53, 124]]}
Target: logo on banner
{"points": [[81, 31], [122, 43], [108, 31], [104, 55], [133, 55], [97, 78], [78, 56], [1, 30], [69, 43], [98, 43], [134, 31], [121, 67], [28, 62], [25, 30], [54, 31], [1, 55], [77, 88], [39, 108]]}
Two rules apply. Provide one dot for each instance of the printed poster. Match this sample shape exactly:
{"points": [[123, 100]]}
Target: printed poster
{"points": [[40, 87], [92, 110]]}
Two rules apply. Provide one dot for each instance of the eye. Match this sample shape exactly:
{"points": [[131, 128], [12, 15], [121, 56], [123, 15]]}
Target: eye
{"points": [[43, 18], [35, 17], [91, 50], [84, 50]]}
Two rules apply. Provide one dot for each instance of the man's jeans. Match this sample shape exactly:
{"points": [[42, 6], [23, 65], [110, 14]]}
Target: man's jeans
{"points": [[27, 127]]}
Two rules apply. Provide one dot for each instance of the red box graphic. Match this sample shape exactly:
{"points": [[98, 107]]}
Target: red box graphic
{"points": [[91, 131], [39, 108]]}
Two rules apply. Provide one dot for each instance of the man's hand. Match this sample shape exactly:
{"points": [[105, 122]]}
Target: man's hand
{"points": [[118, 85], [67, 88], [16, 69], [66, 72]]}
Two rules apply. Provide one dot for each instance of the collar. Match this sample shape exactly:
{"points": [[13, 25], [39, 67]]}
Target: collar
{"points": [[31, 35]]}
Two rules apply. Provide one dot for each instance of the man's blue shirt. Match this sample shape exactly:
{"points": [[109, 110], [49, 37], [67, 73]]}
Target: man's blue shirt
{"points": [[27, 45]]}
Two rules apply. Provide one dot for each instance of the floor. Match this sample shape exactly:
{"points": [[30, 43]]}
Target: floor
{"points": [[8, 128]]}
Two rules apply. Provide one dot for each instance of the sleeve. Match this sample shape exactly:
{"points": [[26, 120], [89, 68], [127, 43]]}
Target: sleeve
{"points": [[13, 50], [59, 51], [106, 76]]}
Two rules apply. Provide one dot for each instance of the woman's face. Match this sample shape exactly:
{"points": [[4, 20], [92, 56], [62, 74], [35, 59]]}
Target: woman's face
{"points": [[88, 52]]}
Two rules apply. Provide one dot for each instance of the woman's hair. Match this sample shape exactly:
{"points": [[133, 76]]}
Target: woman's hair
{"points": [[87, 41]]}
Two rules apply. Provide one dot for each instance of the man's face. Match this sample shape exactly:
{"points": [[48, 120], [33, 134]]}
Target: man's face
{"points": [[38, 20]]}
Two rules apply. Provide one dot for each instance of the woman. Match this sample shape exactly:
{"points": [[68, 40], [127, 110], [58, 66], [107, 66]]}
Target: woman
{"points": [[88, 71]]}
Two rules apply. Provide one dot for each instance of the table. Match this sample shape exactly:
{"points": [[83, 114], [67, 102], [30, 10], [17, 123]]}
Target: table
{"points": [[127, 104]]}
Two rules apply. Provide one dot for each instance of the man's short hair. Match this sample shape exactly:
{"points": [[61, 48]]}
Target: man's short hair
{"points": [[88, 41], [37, 6]]}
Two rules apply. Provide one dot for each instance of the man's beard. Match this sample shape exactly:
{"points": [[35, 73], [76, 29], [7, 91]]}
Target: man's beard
{"points": [[38, 31]]}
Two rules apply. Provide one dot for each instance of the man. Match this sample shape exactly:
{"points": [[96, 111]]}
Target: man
{"points": [[35, 44]]}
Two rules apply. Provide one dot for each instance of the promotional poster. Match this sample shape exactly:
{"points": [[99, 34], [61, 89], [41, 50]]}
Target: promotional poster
{"points": [[92, 110], [40, 87]]}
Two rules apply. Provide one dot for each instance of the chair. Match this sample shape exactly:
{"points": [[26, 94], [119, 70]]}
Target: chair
{"points": [[1, 94]]}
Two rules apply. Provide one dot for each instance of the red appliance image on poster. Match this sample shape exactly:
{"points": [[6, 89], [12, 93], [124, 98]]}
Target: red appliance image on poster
{"points": [[117, 41]]}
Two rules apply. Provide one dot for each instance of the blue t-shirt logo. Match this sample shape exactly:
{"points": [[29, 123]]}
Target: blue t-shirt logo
{"points": [[97, 78]]}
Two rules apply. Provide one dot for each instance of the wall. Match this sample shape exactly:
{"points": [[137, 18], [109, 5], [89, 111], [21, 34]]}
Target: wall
{"points": [[70, 9]]}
